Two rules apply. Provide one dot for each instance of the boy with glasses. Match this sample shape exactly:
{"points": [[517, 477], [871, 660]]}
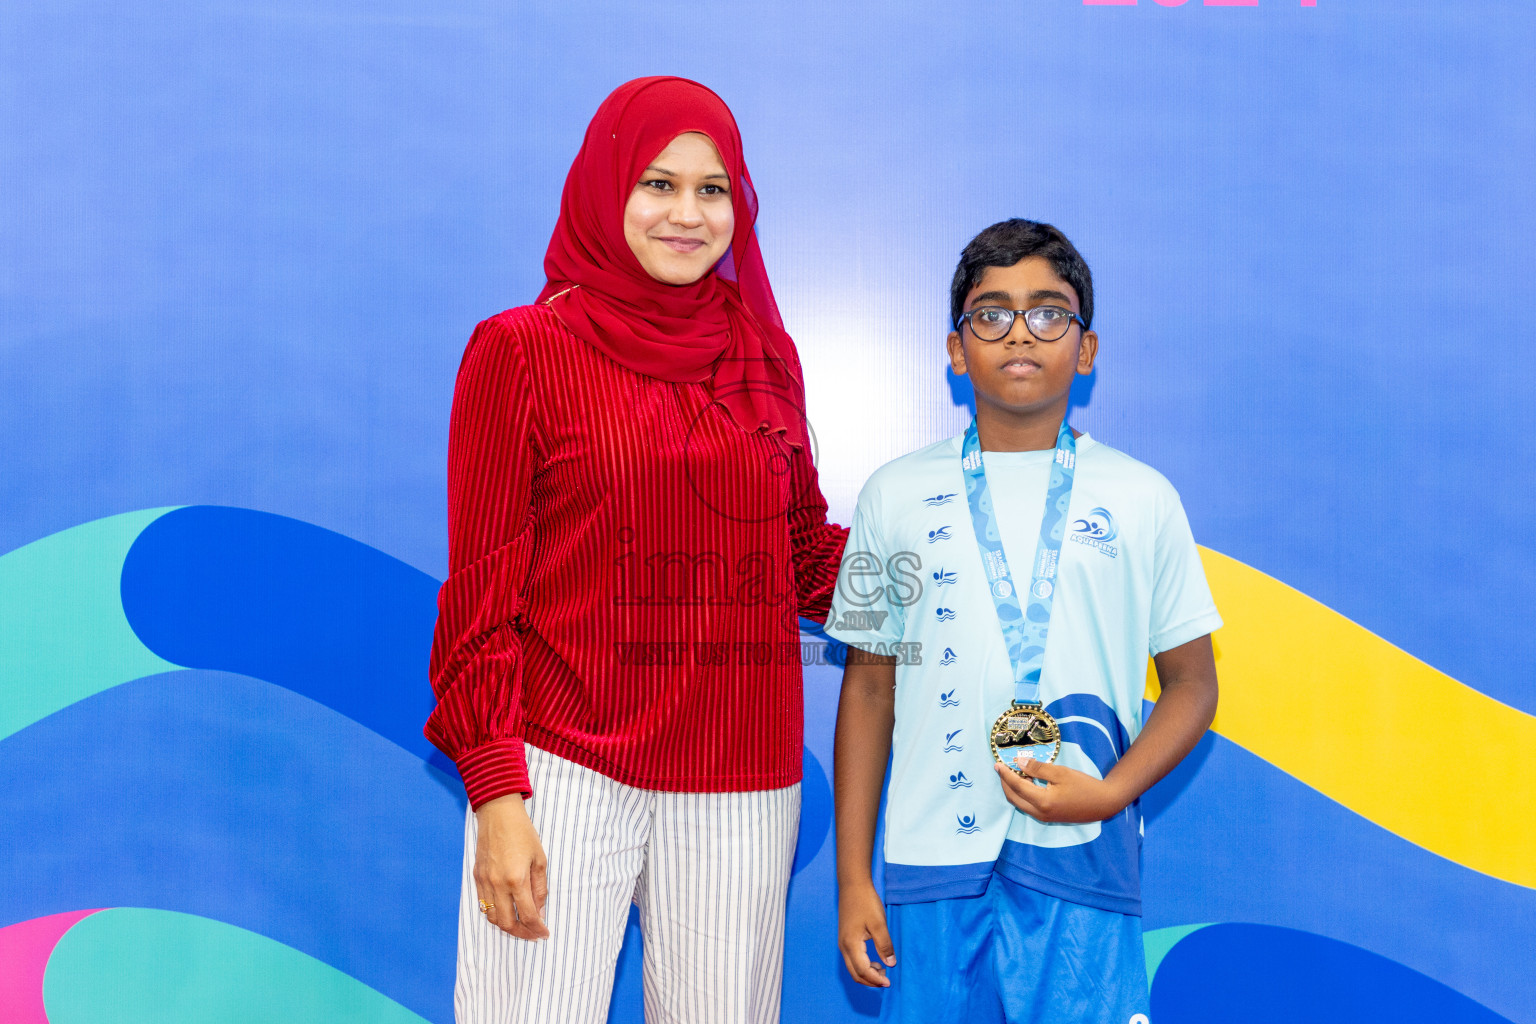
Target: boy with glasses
{"points": [[1052, 565]]}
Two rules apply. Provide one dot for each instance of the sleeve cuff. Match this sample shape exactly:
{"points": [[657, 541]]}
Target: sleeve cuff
{"points": [[494, 769], [862, 638], [1184, 632]]}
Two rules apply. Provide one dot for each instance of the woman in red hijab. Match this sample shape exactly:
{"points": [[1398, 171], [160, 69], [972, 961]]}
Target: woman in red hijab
{"points": [[635, 528]]}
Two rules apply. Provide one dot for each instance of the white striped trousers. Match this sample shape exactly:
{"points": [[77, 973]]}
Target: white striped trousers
{"points": [[709, 872]]}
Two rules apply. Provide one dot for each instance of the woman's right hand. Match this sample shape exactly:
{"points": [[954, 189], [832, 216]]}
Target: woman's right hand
{"points": [[861, 918], [511, 870]]}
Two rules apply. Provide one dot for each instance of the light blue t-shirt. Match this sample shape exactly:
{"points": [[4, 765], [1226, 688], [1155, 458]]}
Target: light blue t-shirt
{"points": [[1129, 584]]}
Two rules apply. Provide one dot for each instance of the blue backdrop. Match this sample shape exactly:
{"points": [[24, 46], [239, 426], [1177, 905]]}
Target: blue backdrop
{"points": [[242, 246]]}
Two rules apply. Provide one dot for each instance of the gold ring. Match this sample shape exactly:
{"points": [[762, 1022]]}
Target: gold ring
{"points": [[486, 908]]}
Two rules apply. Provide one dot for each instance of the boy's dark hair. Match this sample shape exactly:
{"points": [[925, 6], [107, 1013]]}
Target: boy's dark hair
{"points": [[1006, 243]]}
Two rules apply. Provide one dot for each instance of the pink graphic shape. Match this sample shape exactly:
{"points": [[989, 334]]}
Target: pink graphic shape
{"points": [[24, 951]]}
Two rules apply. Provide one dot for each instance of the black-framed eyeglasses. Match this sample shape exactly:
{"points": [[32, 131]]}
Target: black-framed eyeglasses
{"points": [[1047, 323]]}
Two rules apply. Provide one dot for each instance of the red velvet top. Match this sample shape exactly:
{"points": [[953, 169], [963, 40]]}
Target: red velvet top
{"points": [[627, 568]]}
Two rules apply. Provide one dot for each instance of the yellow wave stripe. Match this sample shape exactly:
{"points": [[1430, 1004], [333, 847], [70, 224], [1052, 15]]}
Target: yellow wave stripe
{"points": [[1372, 727]]}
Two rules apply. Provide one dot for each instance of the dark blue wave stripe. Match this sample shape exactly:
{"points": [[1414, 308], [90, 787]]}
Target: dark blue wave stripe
{"points": [[223, 796], [288, 602], [1232, 838], [1260, 974]]}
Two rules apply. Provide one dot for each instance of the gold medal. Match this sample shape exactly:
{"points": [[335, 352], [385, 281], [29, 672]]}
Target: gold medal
{"points": [[1026, 731]]}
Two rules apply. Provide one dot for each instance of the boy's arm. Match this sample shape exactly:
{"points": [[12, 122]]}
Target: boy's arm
{"points": [[1187, 676], [866, 715]]}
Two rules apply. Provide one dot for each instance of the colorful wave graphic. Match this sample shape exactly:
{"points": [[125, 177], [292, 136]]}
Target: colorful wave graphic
{"points": [[1259, 974], [140, 966], [1332, 704], [236, 699], [24, 951], [53, 593], [233, 701]]}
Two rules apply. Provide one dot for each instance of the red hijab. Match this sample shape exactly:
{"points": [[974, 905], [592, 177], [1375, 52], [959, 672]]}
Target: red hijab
{"points": [[725, 327]]}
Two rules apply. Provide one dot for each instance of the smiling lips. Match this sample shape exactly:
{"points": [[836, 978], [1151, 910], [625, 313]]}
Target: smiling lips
{"points": [[1019, 366], [682, 245]]}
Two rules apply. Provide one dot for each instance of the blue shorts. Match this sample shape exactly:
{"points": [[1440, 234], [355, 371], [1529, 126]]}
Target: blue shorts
{"points": [[1014, 956]]}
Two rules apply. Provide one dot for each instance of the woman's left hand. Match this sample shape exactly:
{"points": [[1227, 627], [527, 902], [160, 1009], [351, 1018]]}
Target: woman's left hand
{"points": [[1068, 796]]}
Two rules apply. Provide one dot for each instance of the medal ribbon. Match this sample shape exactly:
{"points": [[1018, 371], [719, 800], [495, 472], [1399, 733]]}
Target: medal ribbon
{"points": [[1024, 629]]}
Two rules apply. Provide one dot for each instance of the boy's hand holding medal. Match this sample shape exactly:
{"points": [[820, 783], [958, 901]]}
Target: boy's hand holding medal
{"points": [[1056, 794]]}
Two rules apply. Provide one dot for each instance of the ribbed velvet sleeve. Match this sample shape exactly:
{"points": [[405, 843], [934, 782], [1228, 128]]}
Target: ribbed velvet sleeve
{"points": [[477, 655], [816, 546]]}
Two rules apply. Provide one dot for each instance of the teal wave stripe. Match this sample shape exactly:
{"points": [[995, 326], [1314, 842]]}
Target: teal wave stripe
{"points": [[1158, 942], [140, 966], [63, 635]]}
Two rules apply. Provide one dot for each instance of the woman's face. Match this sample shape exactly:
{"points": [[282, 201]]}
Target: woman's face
{"points": [[678, 220]]}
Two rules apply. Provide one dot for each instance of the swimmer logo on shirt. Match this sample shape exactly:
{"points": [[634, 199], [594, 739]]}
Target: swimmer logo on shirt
{"points": [[1097, 529]]}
